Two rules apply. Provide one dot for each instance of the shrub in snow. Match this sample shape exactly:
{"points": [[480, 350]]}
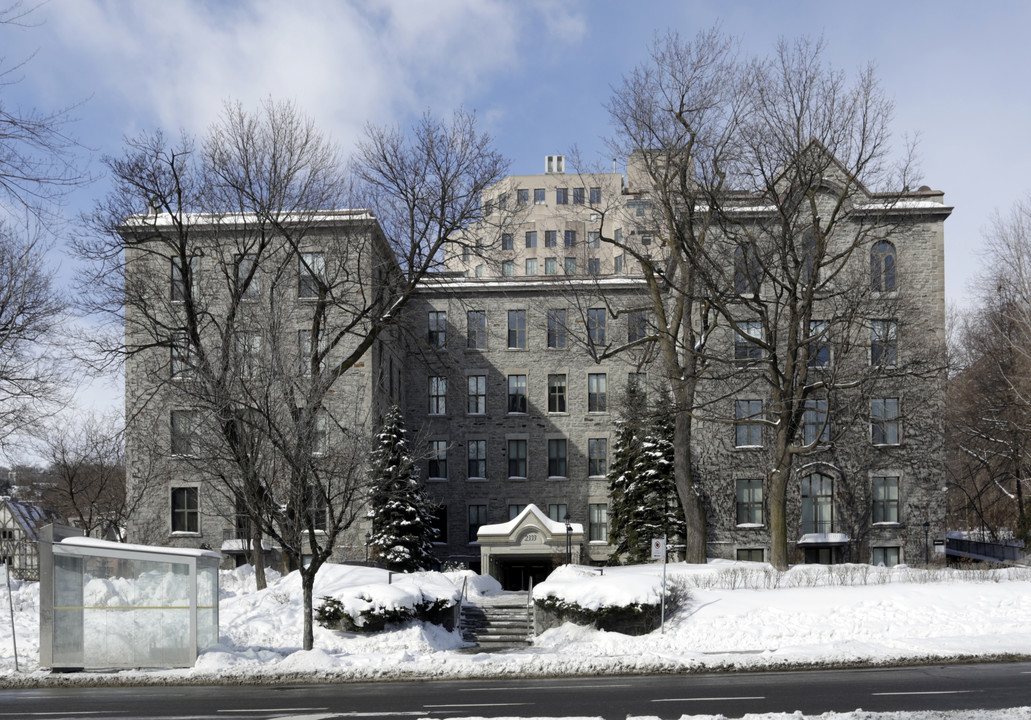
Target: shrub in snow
{"points": [[428, 597], [335, 615], [623, 600]]}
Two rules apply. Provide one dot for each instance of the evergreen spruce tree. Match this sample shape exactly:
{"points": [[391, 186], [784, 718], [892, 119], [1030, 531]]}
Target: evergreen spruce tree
{"points": [[657, 512], [401, 521], [626, 455]]}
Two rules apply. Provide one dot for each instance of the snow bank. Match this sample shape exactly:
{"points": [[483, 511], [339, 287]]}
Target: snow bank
{"points": [[738, 615], [592, 590]]}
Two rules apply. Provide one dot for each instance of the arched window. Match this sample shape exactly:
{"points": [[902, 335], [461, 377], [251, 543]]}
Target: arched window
{"points": [[817, 504], [882, 267]]}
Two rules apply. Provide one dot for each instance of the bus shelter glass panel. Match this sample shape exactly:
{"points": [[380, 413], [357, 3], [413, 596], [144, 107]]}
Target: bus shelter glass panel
{"points": [[207, 602]]}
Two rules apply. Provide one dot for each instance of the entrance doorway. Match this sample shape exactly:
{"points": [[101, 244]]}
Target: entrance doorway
{"points": [[517, 573]]}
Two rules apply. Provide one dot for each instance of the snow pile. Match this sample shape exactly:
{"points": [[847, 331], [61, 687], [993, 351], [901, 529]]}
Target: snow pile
{"points": [[591, 589], [737, 615], [1008, 714]]}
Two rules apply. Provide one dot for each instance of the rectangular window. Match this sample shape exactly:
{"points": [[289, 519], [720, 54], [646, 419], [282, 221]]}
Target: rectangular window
{"points": [[745, 347], [884, 421], [748, 430], [514, 510], [438, 460], [182, 357], [569, 239], [477, 517], [886, 556], [517, 329], [596, 327], [517, 458], [311, 274], [183, 432], [597, 457], [595, 197], [320, 436], [557, 458], [885, 499], [556, 393], [477, 459], [578, 196], [179, 283], [593, 239], [531, 267], [556, 328], [883, 342], [517, 393], [594, 266], [819, 347], [561, 196], [438, 524], [185, 510], [751, 555], [598, 517], [310, 356], [531, 238], [248, 353], [596, 392], [522, 196], [476, 329], [815, 427], [508, 268], [438, 395], [550, 238], [477, 394], [558, 512], [538, 196], [247, 277], [551, 266], [569, 266], [617, 264], [636, 325], [436, 334], [507, 241], [750, 501], [817, 504]]}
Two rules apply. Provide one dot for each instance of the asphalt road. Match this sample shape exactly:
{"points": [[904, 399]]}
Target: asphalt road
{"points": [[949, 687]]}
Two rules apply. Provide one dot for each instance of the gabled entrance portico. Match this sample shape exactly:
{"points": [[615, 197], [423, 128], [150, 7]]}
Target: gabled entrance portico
{"points": [[527, 548]]}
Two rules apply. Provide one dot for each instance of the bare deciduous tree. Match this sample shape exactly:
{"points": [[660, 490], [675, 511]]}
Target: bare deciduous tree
{"points": [[260, 306], [756, 177]]}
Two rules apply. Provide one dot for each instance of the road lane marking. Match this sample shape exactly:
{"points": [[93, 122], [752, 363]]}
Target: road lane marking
{"points": [[706, 699], [928, 692], [462, 705], [546, 687], [293, 709]]}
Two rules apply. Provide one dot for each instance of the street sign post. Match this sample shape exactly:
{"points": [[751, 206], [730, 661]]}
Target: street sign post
{"points": [[659, 551]]}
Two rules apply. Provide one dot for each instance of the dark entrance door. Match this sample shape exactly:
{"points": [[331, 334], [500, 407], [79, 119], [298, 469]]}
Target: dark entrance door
{"points": [[517, 572]]}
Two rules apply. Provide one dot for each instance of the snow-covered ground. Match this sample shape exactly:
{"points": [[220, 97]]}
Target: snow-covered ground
{"points": [[737, 615]]}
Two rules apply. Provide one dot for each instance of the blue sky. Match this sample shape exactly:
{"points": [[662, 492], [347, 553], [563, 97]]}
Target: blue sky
{"points": [[537, 74]]}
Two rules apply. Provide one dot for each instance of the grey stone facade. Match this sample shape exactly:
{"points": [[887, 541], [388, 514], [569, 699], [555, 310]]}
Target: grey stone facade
{"points": [[476, 398]]}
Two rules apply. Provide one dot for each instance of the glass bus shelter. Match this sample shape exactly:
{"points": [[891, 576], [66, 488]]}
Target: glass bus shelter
{"points": [[112, 605]]}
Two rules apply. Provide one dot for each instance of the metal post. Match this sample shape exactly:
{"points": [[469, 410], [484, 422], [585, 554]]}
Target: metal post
{"points": [[927, 552], [662, 617], [10, 605], [569, 540], [368, 539]]}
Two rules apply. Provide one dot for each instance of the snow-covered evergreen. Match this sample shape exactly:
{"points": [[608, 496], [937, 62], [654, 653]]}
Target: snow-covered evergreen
{"points": [[643, 501], [402, 530]]}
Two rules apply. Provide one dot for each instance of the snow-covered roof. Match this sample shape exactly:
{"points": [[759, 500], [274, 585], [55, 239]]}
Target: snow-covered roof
{"points": [[553, 526], [823, 539], [30, 517], [166, 219], [94, 543]]}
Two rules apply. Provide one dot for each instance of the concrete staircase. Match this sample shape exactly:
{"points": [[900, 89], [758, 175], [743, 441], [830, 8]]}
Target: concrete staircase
{"points": [[497, 623]]}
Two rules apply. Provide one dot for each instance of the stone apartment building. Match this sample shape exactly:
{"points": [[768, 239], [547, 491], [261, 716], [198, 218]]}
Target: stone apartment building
{"points": [[511, 400]]}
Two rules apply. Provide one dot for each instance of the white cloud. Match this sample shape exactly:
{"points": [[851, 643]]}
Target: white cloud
{"points": [[174, 64]]}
